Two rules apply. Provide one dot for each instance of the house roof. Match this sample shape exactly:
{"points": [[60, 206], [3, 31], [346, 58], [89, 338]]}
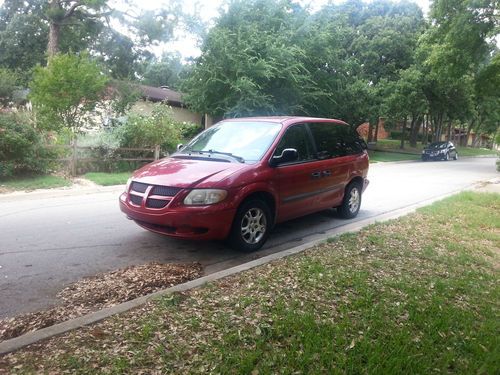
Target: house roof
{"points": [[160, 94]]}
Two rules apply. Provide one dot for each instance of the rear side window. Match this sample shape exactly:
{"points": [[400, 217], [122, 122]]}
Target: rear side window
{"points": [[335, 140], [298, 138]]}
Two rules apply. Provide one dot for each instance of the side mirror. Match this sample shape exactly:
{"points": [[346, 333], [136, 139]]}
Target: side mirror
{"points": [[179, 146], [287, 155]]}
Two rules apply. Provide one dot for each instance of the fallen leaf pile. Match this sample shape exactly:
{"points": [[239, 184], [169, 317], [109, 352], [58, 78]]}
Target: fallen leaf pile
{"points": [[101, 291]]}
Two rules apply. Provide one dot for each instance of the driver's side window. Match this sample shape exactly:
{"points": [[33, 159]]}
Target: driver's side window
{"points": [[298, 138]]}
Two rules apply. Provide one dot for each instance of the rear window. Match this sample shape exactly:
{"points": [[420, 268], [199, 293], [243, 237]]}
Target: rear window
{"points": [[335, 140]]}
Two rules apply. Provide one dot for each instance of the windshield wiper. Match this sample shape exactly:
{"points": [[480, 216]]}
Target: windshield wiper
{"points": [[239, 158]]}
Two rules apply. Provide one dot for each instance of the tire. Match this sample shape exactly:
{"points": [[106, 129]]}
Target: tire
{"points": [[456, 156], [251, 226], [351, 202], [447, 157]]}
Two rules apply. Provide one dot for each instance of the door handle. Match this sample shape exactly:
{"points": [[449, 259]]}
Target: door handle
{"points": [[316, 175], [327, 173]]}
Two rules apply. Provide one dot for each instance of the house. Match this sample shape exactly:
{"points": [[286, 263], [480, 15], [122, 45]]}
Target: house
{"points": [[364, 129], [150, 95]]}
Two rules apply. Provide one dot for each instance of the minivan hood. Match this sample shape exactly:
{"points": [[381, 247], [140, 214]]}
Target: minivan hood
{"points": [[186, 173]]}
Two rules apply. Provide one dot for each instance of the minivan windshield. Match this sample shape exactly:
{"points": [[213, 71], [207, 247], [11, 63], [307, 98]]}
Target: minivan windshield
{"points": [[244, 141]]}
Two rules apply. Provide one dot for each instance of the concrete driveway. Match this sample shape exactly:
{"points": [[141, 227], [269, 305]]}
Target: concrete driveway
{"points": [[48, 240]]}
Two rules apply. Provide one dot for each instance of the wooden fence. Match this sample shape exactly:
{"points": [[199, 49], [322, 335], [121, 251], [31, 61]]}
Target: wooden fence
{"points": [[73, 157]]}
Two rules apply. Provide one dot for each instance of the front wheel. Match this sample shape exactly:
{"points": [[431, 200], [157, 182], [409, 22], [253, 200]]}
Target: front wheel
{"points": [[456, 156], [251, 226], [351, 202], [447, 157]]}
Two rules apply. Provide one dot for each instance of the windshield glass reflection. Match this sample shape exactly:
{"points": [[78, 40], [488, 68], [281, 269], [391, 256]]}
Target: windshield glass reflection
{"points": [[245, 141]]}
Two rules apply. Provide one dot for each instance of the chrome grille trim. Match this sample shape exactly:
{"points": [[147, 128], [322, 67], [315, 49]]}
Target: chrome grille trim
{"points": [[155, 196]]}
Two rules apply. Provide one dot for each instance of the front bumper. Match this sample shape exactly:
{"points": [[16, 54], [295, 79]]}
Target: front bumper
{"points": [[433, 156], [203, 223]]}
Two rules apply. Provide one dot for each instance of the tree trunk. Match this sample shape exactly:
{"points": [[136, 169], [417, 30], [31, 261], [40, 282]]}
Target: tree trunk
{"points": [[415, 130], [370, 131], [375, 138], [448, 134], [403, 133], [426, 130], [54, 34], [469, 130]]}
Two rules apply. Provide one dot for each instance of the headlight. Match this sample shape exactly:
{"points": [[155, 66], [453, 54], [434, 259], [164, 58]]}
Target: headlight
{"points": [[201, 197], [127, 186]]}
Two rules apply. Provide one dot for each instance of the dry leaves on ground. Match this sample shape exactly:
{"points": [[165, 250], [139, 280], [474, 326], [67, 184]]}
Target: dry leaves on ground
{"points": [[101, 291]]}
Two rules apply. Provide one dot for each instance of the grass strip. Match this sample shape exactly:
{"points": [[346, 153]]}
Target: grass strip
{"points": [[108, 179], [34, 182], [382, 156], [393, 145], [420, 294]]}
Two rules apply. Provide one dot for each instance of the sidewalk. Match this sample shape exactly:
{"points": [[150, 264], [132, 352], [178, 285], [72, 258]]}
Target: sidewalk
{"points": [[79, 187]]}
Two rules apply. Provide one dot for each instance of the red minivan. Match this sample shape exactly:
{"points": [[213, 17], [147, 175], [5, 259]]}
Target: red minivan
{"points": [[238, 178]]}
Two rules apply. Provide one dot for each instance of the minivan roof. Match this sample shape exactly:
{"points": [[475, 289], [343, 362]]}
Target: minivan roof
{"points": [[286, 119]]}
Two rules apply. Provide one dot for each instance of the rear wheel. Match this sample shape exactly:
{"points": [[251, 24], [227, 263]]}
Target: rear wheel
{"points": [[251, 226], [351, 202]]}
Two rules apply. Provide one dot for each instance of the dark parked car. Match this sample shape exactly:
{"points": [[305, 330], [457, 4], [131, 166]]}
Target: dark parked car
{"points": [[241, 176], [440, 151]]}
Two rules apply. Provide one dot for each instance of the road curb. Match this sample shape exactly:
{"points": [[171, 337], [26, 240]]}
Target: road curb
{"points": [[11, 345], [59, 192]]}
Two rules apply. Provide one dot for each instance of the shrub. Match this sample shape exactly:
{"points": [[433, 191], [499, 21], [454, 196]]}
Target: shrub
{"points": [[22, 148], [8, 83], [148, 131], [189, 130]]}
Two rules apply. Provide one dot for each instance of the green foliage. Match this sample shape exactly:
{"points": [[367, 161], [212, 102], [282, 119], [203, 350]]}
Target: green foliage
{"points": [[274, 57], [189, 130], [125, 94], [22, 148], [148, 131], [165, 72], [23, 35], [8, 83], [95, 25], [251, 65], [64, 92]]}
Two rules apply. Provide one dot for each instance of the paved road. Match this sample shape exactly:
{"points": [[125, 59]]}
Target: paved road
{"points": [[47, 242]]}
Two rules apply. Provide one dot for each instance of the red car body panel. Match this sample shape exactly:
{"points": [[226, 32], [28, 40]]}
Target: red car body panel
{"points": [[292, 188]]}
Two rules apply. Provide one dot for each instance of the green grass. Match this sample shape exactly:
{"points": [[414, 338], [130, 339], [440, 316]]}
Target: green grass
{"points": [[415, 295], [108, 179], [393, 144], [35, 182], [469, 151], [381, 156]]}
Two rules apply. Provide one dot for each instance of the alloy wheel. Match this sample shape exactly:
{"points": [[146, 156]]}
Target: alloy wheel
{"points": [[354, 200], [253, 225]]}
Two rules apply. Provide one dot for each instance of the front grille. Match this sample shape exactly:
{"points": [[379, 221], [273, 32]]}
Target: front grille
{"points": [[138, 191], [165, 191], [139, 187], [135, 199], [156, 203]]}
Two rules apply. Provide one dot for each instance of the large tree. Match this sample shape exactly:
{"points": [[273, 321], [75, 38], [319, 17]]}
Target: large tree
{"points": [[119, 36], [251, 64]]}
